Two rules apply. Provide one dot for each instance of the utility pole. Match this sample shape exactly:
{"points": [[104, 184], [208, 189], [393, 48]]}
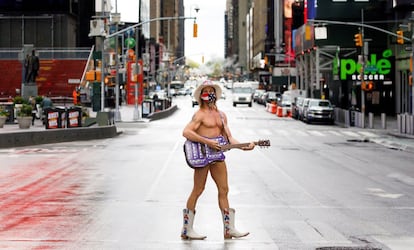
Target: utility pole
{"points": [[364, 46], [116, 20]]}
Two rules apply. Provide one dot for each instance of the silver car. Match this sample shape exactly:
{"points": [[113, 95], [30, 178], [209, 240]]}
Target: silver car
{"points": [[319, 110]]}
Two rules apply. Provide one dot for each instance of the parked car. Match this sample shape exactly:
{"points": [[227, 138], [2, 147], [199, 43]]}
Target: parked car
{"points": [[302, 108], [297, 103], [257, 95], [271, 96], [285, 101], [319, 110]]}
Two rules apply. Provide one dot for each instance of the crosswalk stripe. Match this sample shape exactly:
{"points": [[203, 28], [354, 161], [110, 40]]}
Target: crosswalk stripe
{"points": [[319, 133], [400, 243], [336, 133], [350, 133], [368, 134], [316, 133]]}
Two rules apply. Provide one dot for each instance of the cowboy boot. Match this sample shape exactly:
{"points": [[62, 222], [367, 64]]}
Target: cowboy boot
{"points": [[228, 222], [187, 233]]}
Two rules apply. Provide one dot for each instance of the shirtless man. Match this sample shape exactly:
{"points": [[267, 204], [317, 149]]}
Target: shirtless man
{"points": [[209, 122]]}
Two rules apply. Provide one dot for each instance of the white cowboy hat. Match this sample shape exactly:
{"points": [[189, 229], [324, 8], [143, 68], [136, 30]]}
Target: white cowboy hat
{"points": [[217, 88]]}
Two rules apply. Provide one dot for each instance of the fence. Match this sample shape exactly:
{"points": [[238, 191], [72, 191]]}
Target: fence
{"points": [[47, 53]]}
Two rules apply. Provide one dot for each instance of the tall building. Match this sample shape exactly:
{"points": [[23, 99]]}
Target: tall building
{"points": [[168, 32], [45, 23]]}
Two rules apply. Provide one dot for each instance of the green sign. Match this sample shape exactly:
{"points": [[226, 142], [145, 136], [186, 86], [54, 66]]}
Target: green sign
{"points": [[375, 68]]}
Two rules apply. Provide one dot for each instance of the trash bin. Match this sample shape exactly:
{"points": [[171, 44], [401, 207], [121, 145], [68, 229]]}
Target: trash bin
{"points": [[158, 105], [147, 108], [55, 117], [74, 117]]}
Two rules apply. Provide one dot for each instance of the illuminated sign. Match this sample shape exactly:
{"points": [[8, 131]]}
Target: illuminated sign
{"points": [[375, 68]]}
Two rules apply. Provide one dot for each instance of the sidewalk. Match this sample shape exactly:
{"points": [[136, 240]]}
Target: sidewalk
{"points": [[126, 112], [389, 136]]}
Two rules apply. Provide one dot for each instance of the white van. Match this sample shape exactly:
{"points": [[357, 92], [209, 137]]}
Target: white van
{"points": [[242, 94]]}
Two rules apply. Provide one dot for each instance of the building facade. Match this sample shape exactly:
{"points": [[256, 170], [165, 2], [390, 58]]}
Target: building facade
{"points": [[310, 45]]}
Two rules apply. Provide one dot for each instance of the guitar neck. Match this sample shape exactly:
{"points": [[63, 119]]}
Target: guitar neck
{"points": [[238, 145]]}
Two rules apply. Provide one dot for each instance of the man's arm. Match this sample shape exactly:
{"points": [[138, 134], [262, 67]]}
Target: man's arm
{"points": [[233, 140]]}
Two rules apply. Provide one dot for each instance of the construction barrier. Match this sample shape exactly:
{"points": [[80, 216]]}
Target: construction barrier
{"points": [[273, 108], [279, 111]]}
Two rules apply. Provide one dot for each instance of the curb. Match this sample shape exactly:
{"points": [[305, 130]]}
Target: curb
{"points": [[20, 139]]}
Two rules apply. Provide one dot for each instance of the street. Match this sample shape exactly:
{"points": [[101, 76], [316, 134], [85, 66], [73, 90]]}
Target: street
{"points": [[316, 186]]}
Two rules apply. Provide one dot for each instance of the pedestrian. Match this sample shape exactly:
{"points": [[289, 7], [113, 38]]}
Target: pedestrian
{"points": [[209, 122], [32, 68], [32, 102], [44, 104]]}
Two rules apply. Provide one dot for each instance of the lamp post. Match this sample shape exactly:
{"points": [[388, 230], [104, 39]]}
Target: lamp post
{"points": [[116, 18]]}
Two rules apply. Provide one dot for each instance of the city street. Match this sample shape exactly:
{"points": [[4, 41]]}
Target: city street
{"points": [[316, 186]]}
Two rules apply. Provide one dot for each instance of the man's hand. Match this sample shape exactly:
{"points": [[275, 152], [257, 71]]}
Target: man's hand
{"points": [[250, 147], [214, 145]]}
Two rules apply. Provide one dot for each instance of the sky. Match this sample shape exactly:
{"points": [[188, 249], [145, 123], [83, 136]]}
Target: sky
{"points": [[210, 20]]}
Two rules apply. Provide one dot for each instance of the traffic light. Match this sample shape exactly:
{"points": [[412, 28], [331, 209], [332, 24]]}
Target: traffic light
{"points": [[367, 86], [358, 40], [400, 37], [195, 29]]}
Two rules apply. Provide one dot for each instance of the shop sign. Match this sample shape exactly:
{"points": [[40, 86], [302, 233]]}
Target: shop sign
{"points": [[376, 67]]}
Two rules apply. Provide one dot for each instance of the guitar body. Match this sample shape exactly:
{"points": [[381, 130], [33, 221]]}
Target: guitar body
{"points": [[200, 155]]}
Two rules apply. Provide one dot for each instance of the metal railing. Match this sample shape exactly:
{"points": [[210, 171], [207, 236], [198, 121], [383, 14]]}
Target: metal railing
{"points": [[47, 53]]}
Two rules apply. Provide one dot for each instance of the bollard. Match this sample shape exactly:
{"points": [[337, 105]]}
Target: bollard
{"points": [[371, 120], [409, 124], [399, 123], [412, 124], [347, 120], [383, 121], [403, 123]]}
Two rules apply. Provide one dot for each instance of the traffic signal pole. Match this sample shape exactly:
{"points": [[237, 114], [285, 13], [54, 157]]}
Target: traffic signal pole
{"points": [[364, 46]]}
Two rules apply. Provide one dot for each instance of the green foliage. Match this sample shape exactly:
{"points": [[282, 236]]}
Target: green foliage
{"points": [[38, 99], [3, 111], [25, 110], [20, 100]]}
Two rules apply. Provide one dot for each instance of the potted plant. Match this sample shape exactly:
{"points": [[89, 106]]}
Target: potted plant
{"points": [[3, 116], [24, 116]]}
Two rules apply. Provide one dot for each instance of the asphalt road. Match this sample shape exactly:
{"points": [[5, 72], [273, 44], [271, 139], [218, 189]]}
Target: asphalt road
{"points": [[316, 186]]}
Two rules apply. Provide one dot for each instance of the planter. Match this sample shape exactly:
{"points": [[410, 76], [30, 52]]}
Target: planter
{"points": [[2, 120], [24, 122]]}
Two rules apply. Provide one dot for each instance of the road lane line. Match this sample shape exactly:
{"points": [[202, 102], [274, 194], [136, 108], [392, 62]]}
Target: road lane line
{"points": [[157, 180]]}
